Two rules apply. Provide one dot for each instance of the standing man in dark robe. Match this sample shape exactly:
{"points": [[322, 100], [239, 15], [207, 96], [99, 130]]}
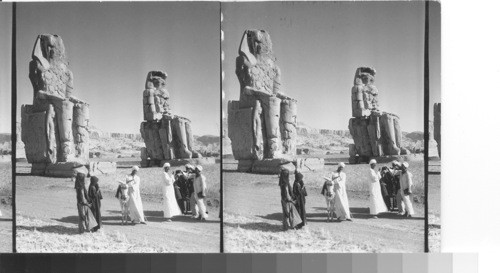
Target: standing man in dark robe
{"points": [[86, 220], [95, 197], [384, 186], [178, 194], [300, 193], [291, 217]]}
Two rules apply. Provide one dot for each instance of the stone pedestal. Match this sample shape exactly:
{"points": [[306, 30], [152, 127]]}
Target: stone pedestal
{"points": [[166, 139]]}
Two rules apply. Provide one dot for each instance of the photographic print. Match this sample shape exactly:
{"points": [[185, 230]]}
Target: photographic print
{"points": [[5, 128], [323, 147], [434, 168], [118, 124]]}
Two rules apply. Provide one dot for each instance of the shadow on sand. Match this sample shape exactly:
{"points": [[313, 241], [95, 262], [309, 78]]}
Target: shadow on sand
{"points": [[57, 229], [257, 226]]}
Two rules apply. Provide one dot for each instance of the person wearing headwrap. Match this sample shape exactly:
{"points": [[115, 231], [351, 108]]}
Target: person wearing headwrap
{"points": [[377, 204], [135, 202], [291, 217], [86, 221], [341, 202], [396, 172], [406, 184], [181, 193], [95, 197], [170, 206], [189, 176], [200, 192], [300, 193]]}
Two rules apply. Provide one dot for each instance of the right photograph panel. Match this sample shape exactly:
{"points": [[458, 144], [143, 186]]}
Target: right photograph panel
{"points": [[323, 127]]}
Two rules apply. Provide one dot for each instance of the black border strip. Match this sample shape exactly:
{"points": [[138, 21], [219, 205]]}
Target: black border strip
{"points": [[13, 125], [220, 134], [426, 125]]}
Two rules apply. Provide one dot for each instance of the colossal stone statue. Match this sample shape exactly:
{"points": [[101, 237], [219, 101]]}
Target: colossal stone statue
{"points": [[263, 123], [375, 133], [55, 128], [437, 126], [166, 136]]}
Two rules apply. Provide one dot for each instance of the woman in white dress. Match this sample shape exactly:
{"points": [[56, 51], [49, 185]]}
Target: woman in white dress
{"points": [[377, 204], [170, 206], [341, 203], [135, 202]]}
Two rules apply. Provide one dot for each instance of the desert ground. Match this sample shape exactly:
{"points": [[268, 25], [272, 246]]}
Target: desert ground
{"points": [[6, 207], [252, 216], [47, 217], [434, 203]]}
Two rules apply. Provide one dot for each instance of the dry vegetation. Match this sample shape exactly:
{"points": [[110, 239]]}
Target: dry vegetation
{"points": [[259, 236], [49, 236], [5, 182]]}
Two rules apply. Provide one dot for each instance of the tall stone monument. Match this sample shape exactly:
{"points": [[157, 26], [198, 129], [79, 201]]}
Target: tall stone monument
{"points": [[437, 126], [375, 133], [167, 136], [55, 127], [262, 124]]}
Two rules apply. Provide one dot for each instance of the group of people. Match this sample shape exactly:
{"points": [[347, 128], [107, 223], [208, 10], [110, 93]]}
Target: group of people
{"points": [[390, 189], [182, 193]]}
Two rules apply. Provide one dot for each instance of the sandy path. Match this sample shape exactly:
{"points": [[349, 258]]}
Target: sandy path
{"points": [[389, 233], [55, 201], [6, 229]]}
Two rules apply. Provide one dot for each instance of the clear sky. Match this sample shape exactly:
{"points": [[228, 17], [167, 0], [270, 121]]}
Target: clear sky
{"points": [[434, 55], [112, 46], [319, 45], [5, 65]]}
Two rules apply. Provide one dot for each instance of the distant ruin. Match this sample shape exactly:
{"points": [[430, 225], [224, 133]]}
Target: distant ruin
{"points": [[375, 133]]}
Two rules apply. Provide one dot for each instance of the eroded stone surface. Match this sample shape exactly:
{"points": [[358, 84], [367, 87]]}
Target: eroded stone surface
{"points": [[375, 133], [167, 136], [437, 126], [55, 127], [263, 123]]}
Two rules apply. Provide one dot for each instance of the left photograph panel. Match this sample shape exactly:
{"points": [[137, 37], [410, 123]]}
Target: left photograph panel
{"points": [[118, 125], [5, 128]]}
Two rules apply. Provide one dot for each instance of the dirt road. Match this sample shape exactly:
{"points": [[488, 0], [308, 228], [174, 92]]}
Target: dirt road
{"points": [[253, 222], [6, 229], [53, 203]]}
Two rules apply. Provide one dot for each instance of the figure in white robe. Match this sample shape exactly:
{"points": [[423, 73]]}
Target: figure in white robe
{"points": [[135, 202], [169, 203], [341, 203], [200, 192], [406, 183], [377, 204]]}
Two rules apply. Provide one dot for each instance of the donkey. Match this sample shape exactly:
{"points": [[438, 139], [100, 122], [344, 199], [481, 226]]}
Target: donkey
{"points": [[123, 197]]}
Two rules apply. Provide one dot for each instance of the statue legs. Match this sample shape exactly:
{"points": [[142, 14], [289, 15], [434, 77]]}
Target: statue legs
{"points": [[271, 136]]}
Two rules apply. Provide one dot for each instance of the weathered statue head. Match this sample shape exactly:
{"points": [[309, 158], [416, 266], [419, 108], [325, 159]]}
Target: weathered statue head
{"points": [[364, 75], [254, 44], [156, 80], [49, 49]]}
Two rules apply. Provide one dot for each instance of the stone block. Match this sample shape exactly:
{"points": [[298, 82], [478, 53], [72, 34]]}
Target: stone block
{"points": [[245, 165], [240, 132], [310, 164], [352, 150], [270, 166], [100, 168], [65, 169]]}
